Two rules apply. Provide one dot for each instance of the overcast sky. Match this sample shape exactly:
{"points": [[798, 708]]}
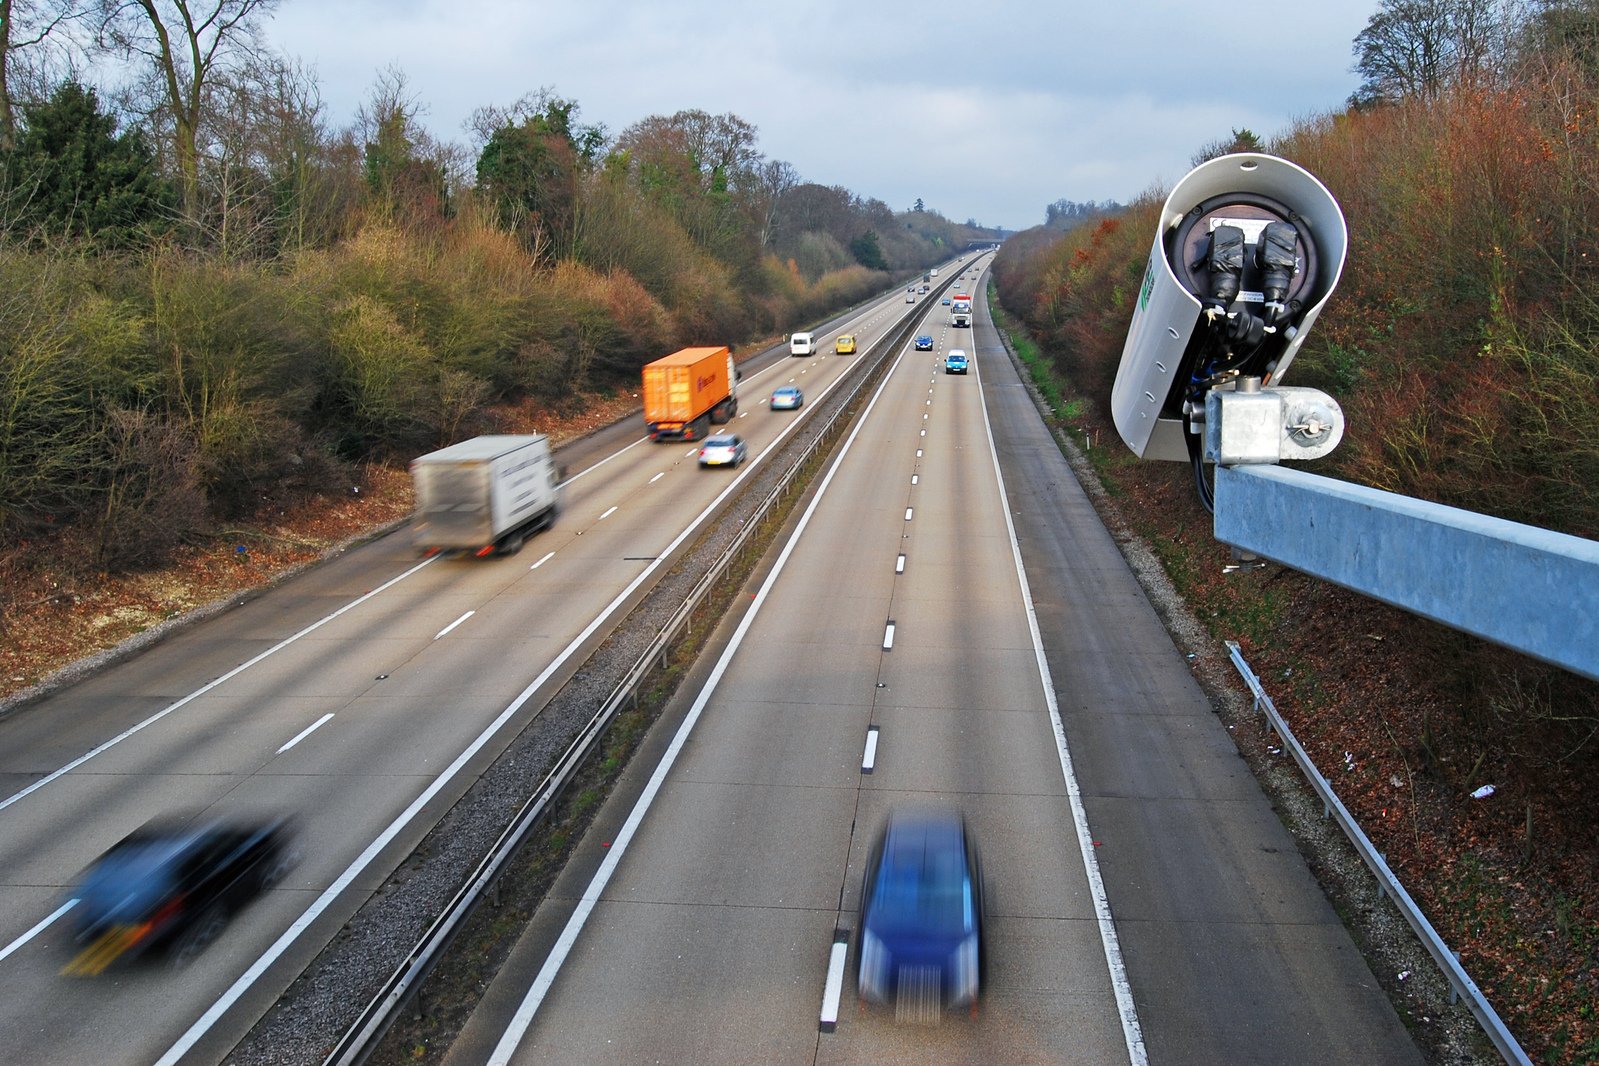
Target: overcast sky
{"points": [[983, 110]]}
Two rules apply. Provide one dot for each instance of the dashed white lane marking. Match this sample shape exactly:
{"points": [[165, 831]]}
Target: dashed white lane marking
{"points": [[915, 478], [608, 513], [547, 557], [888, 637], [899, 565], [918, 453], [307, 731], [834, 991], [36, 930], [453, 624], [869, 757], [657, 477], [908, 511]]}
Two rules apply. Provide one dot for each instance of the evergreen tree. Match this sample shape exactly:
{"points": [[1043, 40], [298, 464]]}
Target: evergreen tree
{"points": [[72, 174]]}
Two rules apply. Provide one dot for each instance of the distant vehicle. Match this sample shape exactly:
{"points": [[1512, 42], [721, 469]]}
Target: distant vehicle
{"points": [[685, 393], [924, 288], [933, 273], [955, 362], [910, 297], [786, 398], [920, 944], [845, 345], [172, 885], [802, 344], [924, 343], [485, 495], [945, 301], [724, 449]]}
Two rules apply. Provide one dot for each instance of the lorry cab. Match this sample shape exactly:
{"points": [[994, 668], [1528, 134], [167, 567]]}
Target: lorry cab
{"points": [[802, 344]]}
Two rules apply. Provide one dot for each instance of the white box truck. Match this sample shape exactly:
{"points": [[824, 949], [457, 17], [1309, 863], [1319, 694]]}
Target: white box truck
{"points": [[485, 495]]}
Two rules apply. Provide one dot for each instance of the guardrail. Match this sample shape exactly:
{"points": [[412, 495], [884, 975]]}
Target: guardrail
{"points": [[360, 1039], [1459, 980]]}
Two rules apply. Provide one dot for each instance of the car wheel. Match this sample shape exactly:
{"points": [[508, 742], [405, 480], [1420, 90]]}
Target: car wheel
{"points": [[282, 864], [191, 944]]}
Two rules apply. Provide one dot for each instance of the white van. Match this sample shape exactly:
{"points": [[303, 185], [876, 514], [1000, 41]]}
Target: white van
{"points": [[802, 344]]}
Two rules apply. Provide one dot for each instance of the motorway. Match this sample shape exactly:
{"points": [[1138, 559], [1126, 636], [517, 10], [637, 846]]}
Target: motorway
{"points": [[364, 695], [1144, 903]]}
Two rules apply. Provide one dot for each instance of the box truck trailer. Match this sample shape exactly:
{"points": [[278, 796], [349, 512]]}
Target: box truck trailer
{"points": [[687, 391], [485, 495]]}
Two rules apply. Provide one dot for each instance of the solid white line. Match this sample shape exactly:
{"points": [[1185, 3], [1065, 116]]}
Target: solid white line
{"points": [[453, 624], [657, 477], [606, 515], [834, 991], [888, 637], [36, 930], [197, 693], [307, 731], [869, 759], [574, 926], [1132, 1032], [547, 557]]}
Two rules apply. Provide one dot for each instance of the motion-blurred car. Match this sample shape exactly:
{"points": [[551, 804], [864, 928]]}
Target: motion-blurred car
{"points": [[172, 885], [845, 345], [945, 301], [920, 944], [955, 361], [723, 449], [787, 398], [924, 343]]}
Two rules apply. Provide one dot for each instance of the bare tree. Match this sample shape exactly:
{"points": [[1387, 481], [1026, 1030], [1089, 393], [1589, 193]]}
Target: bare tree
{"points": [[1421, 48], [24, 25], [187, 45]]}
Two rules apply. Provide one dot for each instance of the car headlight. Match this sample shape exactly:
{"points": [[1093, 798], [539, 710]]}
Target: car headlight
{"points": [[965, 984], [874, 968]]}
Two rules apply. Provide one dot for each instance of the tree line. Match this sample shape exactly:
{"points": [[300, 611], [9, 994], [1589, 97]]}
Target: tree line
{"points": [[216, 299]]}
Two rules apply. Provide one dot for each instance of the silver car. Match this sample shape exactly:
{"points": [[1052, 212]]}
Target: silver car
{"points": [[724, 449]]}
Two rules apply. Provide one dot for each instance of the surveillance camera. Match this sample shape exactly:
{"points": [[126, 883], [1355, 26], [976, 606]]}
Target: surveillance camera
{"points": [[1248, 251]]}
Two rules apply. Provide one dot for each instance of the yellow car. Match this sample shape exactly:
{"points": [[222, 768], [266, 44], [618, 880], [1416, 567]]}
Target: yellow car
{"points": [[845, 345]]}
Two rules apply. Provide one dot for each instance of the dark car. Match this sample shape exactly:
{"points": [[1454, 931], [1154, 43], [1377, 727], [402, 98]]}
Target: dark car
{"points": [[920, 944], [724, 449], [172, 885], [924, 343]]}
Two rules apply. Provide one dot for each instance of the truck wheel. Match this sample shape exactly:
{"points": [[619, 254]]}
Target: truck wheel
{"points": [[510, 545]]}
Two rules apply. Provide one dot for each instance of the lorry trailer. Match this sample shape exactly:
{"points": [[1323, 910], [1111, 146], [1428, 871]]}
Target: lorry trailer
{"points": [[689, 390]]}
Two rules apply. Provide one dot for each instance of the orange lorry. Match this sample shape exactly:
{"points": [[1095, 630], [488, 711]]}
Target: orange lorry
{"points": [[685, 392]]}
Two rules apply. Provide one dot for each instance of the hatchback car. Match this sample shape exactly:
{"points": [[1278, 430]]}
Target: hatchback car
{"points": [[924, 343], [172, 885], [845, 345], [955, 361], [724, 449], [945, 301], [787, 398], [920, 944]]}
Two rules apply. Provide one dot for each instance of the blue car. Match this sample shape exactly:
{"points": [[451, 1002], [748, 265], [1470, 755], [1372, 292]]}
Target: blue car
{"points": [[924, 343], [955, 361], [787, 398], [920, 944]]}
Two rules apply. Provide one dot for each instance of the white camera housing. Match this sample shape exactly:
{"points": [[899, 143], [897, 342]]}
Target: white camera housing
{"points": [[1244, 190]]}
